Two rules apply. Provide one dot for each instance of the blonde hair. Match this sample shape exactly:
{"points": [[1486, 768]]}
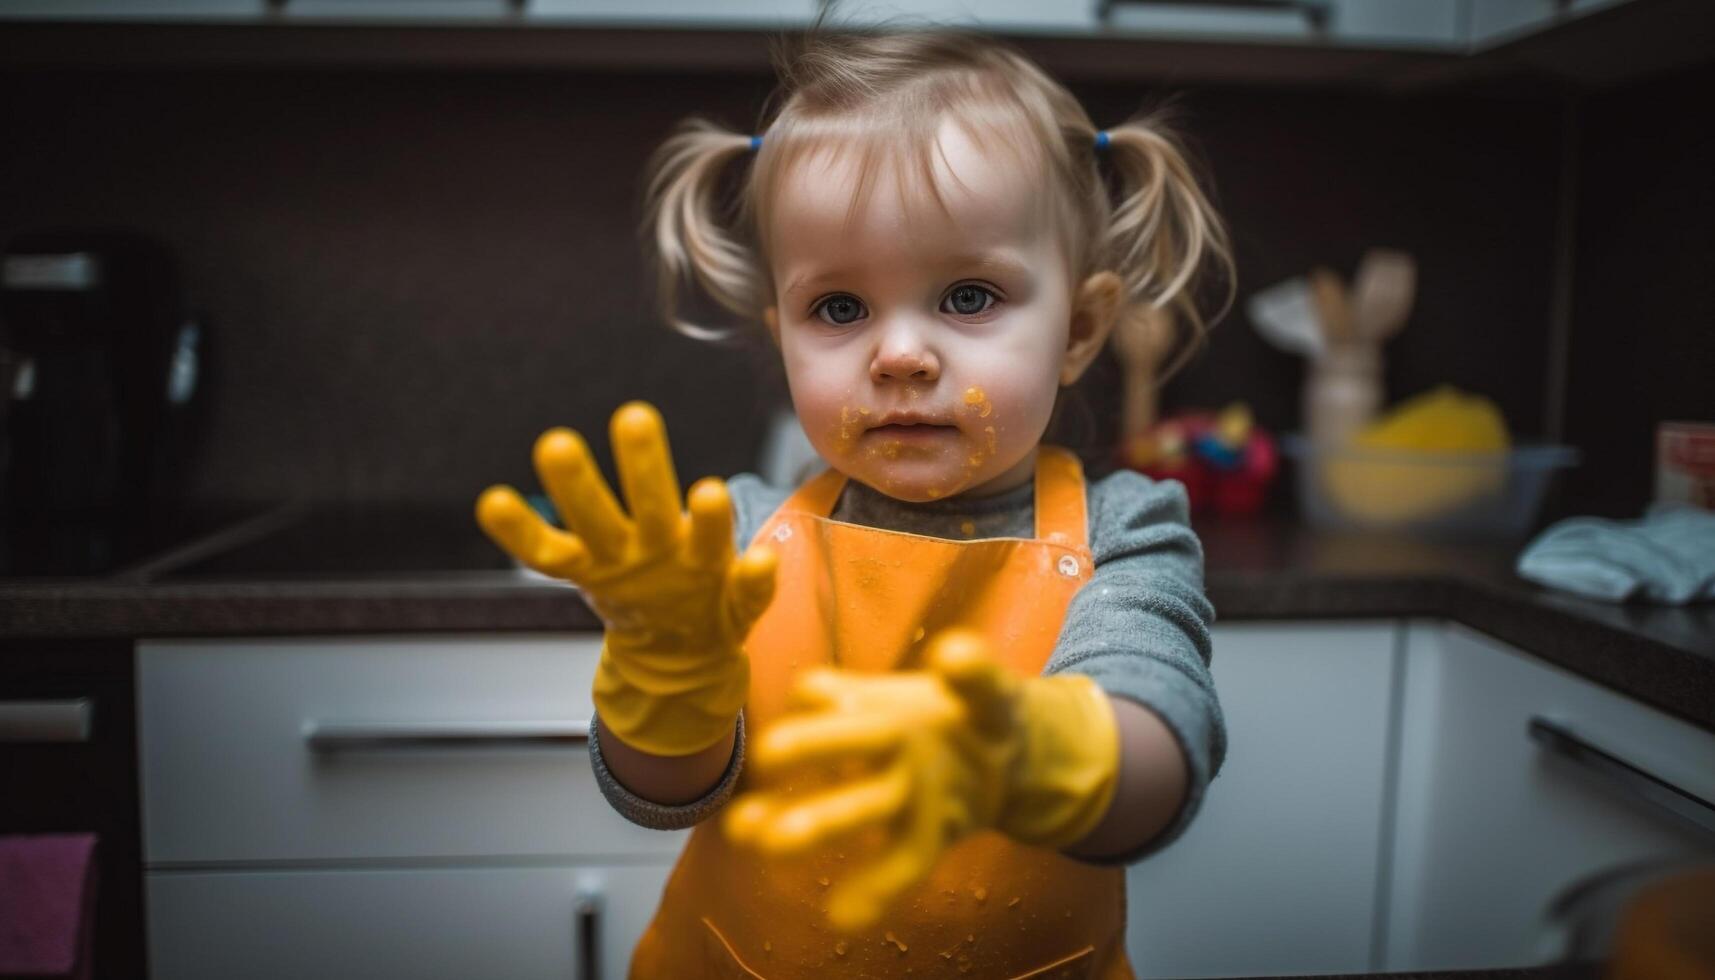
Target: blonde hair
{"points": [[885, 95]]}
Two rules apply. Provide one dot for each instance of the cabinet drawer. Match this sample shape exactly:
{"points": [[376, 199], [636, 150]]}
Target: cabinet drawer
{"points": [[1493, 824], [244, 759], [409, 923]]}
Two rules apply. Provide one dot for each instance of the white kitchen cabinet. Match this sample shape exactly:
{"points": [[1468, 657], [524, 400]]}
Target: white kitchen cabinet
{"points": [[1278, 872], [1026, 16], [1428, 24], [1492, 827], [1431, 25], [1382, 807], [383, 806], [762, 14], [135, 10], [384, 11], [1499, 21], [430, 923], [236, 762]]}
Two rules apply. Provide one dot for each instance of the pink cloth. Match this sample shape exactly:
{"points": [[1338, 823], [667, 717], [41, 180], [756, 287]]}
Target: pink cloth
{"points": [[47, 905]]}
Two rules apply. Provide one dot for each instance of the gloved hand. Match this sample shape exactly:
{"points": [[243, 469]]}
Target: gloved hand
{"points": [[962, 746], [676, 603]]}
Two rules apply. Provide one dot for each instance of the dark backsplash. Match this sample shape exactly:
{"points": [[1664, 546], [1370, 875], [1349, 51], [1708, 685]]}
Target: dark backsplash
{"points": [[408, 275], [1643, 318]]}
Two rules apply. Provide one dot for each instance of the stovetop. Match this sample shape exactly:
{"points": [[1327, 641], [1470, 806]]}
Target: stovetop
{"points": [[342, 540], [104, 544]]}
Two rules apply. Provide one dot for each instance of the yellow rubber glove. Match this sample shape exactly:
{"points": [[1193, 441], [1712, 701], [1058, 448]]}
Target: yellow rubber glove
{"points": [[676, 603], [962, 746]]}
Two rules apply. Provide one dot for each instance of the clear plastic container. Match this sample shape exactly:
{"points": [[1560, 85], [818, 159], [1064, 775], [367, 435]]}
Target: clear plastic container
{"points": [[1435, 494]]}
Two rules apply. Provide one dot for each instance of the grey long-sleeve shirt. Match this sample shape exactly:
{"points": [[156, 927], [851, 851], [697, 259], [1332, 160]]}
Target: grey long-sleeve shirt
{"points": [[1139, 627]]}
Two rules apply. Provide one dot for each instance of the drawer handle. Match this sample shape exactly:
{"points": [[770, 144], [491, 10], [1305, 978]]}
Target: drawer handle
{"points": [[587, 907], [1314, 12], [1629, 778], [45, 721], [345, 737]]}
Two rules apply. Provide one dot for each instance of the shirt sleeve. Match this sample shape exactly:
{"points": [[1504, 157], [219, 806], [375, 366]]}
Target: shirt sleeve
{"points": [[1140, 627], [753, 501]]}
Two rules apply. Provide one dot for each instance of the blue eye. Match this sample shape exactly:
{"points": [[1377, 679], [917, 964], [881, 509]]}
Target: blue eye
{"points": [[969, 299], [840, 310]]}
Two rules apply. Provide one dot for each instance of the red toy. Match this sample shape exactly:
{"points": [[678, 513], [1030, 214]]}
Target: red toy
{"points": [[1225, 462]]}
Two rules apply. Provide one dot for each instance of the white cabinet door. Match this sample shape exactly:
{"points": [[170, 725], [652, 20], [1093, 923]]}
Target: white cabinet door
{"points": [[393, 11], [237, 765], [1491, 826], [764, 14], [164, 10], [1429, 24], [1499, 21], [1000, 15], [1397, 23], [1278, 873], [402, 924]]}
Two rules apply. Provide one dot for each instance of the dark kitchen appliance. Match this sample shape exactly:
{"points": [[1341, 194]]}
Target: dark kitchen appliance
{"points": [[100, 386]]}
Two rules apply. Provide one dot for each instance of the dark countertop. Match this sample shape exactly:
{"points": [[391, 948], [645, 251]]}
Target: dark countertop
{"points": [[339, 570]]}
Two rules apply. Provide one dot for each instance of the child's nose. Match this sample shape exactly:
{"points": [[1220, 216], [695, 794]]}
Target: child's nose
{"points": [[904, 355]]}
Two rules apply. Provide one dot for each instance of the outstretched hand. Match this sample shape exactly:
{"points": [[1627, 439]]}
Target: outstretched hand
{"points": [[961, 746], [676, 601]]}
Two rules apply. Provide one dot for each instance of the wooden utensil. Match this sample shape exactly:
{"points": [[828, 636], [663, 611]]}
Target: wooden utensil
{"points": [[1382, 292], [1332, 306], [1141, 343]]}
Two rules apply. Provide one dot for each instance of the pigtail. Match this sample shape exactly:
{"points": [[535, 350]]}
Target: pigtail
{"points": [[1164, 238], [691, 243]]}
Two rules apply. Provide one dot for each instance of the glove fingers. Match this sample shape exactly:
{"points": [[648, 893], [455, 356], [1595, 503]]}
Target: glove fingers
{"points": [[962, 659], [745, 817], [818, 688], [521, 533], [822, 738], [709, 544], [793, 829], [574, 483], [749, 588], [646, 472], [860, 900]]}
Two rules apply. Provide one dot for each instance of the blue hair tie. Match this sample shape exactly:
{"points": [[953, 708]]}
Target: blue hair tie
{"points": [[1102, 140], [756, 143]]}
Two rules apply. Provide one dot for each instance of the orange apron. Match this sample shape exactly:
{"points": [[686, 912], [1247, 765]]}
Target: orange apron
{"points": [[864, 599]]}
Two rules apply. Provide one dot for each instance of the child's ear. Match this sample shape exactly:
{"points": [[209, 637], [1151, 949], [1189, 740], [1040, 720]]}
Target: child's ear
{"points": [[1095, 310], [771, 316]]}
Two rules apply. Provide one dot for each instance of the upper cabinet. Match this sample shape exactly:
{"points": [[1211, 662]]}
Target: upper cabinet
{"points": [[1498, 21], [1435, 25], [1397, 44]]}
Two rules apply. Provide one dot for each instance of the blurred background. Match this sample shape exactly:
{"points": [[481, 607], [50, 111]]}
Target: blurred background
{"points": [[417, 246], [286, 283]]}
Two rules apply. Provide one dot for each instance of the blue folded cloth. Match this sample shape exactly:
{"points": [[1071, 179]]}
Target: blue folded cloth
{"points": [[1668, 556]]}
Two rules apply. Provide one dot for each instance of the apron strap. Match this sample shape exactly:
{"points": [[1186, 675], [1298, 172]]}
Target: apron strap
{"points": [[817, 495], [1060, 502]]}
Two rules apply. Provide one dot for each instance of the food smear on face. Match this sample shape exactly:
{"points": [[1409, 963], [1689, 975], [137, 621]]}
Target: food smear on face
{"points": [[978, 402], [851, 423]]}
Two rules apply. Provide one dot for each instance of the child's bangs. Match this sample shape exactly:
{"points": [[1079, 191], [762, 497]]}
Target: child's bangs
{"points": [[901, 143]]}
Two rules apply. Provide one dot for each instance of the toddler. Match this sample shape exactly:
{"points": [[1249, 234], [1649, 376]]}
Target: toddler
{"points": [[955, 686]]}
